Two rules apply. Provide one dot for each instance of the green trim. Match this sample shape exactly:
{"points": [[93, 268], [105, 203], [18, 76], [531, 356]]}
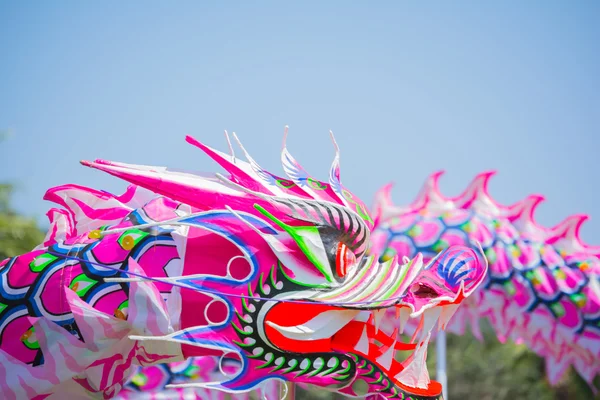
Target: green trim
{"points": [[261, 284], [315, 184], [341, 378], [240, 319], [290, 369], [289, 278], [31, 345], [265, 365], [287, 185], [297, 233], [42, 261], [83, 279], [239, 330], [330, 370], [388, 384], [316, 372], [272, 277], [258, 355], [245, 305], [305, 370], [135, 234], [400, 280], [242, 345], [278, 367], [348, 368]]}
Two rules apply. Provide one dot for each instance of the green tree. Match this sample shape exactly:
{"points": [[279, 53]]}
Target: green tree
{"points": [[18, 234], [491, 370]]}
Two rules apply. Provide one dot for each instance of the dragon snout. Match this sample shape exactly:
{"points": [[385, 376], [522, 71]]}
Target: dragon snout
{"points": [[463, 267]]}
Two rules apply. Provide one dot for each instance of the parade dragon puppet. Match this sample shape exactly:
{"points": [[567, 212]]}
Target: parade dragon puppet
{"points": [[277, 274], [542, 287]]}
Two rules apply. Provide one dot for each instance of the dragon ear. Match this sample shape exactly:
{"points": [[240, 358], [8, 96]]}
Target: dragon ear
{"points": [[308, 239]]}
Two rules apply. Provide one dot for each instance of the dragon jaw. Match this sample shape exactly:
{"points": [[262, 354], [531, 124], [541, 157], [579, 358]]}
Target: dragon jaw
{"points": [[334, 338]]}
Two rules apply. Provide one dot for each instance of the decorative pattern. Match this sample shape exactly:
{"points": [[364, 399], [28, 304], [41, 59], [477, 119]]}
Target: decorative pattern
{"points": [[150, 382], [66, 284]]}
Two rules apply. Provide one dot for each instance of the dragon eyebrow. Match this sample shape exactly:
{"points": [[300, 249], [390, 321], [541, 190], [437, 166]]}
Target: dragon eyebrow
{"points": [[357, 232], [355, 225]]}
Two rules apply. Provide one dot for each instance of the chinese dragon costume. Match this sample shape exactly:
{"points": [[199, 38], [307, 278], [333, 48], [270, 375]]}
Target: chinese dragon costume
{"points": [[278, 274], [542, 286]]}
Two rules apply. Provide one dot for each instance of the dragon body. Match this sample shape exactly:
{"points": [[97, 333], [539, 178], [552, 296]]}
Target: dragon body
{"points": [[541, 289], [150, 383], [272, 272]]}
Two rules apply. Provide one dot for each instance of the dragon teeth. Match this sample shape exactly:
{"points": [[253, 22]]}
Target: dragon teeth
{"points": [[447, 313], [363, 343], [402, 315], [377, 317], [425, 325], [385, 360]]}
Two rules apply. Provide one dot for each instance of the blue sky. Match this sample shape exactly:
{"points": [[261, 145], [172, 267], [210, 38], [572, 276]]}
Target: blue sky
{"points": [[408, 88]]}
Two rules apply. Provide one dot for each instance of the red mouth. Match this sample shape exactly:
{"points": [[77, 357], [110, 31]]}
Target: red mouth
{"points": [[298, 328]]}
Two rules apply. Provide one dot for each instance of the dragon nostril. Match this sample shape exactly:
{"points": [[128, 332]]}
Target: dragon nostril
{"points": [[424, 291]]}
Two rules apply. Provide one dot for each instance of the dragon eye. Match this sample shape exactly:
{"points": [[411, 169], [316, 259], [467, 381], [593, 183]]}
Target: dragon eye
{"points": [[344, 259]]}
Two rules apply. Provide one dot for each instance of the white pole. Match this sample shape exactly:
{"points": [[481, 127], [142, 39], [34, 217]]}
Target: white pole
{"points": [[440, 348]]}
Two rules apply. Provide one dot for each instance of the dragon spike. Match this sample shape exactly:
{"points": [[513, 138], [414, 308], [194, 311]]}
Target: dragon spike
{"points": [[476, 195], [522, 213], [525, 208], [285, 134], [430, 195], [566, 233], [267, 177], [236, 172], [297, 174], [383, 206], [230, 146], [566, 236], [334, 174], [291, 167], [251, 160]]}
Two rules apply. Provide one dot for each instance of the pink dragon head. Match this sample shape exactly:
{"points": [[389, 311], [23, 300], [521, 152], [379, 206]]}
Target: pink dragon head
{"points": [[279, 276], [272, 272]]}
